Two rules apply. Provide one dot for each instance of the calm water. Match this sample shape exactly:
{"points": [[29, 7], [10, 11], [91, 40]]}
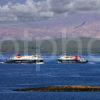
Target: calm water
{"points": [[14, 76]]}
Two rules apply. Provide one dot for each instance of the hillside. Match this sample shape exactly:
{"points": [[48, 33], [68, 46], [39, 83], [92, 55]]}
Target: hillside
{"points": [[73, 25], [59, 47]]}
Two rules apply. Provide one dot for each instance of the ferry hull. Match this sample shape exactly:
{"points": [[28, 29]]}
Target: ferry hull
{"points": [[25, 61], [71, 61]]}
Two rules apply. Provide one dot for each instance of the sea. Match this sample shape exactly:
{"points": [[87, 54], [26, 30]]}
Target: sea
{"points": [[51, 73]]}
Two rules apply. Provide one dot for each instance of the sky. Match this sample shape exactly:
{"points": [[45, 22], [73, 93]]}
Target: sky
{"points": [[49, 18], [31, 10]]}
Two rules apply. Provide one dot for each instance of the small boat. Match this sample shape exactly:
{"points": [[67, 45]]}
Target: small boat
{"points": [[31, 59], [71, 59]]}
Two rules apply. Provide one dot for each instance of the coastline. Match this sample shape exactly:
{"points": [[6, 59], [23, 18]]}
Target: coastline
{"points": [[71, 45], [61, 89]]}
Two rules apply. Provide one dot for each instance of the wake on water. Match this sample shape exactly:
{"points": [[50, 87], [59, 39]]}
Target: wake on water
{"points": [[91, 62]]}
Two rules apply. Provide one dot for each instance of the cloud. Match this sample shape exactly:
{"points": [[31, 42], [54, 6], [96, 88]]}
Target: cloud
{"points": [[62, 6], [30, 10], [87, 5], [34, 10]]}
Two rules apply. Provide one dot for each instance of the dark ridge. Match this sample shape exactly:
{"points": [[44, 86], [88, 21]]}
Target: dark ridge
{"points": [[71, 45]]}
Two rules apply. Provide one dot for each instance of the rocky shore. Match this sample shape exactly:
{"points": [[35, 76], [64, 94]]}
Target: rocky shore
{"points": [[62, 89]]}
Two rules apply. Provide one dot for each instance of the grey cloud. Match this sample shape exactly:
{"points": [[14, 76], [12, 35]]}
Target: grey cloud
{"points": [[62, 6], [86, 5], [32, 10]]}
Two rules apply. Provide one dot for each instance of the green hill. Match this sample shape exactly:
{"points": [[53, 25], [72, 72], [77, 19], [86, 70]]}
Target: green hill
{"points": [[55, 46]]}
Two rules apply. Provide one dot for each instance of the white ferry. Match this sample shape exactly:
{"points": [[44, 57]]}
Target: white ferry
{"points": [[31, 59], [71, 59]]}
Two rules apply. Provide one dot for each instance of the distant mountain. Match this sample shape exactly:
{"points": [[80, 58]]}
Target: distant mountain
{"points": [[72, 25]]}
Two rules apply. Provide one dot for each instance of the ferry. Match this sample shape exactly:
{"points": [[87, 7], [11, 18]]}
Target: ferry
{"points": [[31, 59], [71, 59]]}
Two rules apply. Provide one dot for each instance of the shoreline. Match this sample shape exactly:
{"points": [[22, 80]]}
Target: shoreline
{"points": [[61, 89]]}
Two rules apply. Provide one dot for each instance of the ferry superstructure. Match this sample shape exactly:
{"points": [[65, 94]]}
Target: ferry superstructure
{"points": [[71, 59], [32, 59]]}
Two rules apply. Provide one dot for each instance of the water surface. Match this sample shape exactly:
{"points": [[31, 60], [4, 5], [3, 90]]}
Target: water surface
{"points": [[51, 73]]}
